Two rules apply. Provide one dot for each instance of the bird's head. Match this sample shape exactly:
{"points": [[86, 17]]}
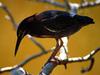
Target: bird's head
{"points": [[84, 20], [23, 29], [21, 32]]}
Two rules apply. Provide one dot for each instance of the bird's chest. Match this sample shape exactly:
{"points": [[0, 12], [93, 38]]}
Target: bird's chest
{"points": [[72, 29]]}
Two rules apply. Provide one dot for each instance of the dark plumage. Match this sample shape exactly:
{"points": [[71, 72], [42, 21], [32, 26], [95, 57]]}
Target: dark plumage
{"points": [[51, 24]]}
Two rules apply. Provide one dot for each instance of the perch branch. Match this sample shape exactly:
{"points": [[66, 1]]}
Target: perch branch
{"points": [[48, 68]]}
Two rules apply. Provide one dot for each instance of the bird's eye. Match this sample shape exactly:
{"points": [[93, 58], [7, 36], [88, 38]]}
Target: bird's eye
{"points": [[19, 33]]}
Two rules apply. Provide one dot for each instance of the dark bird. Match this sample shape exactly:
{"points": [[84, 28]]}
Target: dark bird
{"points": [[51, 24]]}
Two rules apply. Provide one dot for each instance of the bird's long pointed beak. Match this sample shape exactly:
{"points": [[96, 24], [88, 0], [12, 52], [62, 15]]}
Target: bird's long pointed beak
{"points": [[18, 43]]}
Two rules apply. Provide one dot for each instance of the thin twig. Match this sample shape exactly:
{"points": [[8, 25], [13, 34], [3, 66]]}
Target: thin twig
{"points": [[67, 5], [4, 7], [85, 58], [89, 4], [55, 3], [80, 6], [90, 66], [33, 57], [5, 69]]}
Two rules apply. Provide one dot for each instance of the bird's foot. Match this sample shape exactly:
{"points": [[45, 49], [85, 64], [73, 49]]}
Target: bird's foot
{"points": [[58, 61]]}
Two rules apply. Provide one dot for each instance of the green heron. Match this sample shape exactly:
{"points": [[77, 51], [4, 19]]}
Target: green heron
{"points": [[51, 24]]}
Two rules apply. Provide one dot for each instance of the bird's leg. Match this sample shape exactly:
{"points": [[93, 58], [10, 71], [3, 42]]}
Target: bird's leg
{"points": [[52, 57], [63, 53], [64, 49], [58, 46]]}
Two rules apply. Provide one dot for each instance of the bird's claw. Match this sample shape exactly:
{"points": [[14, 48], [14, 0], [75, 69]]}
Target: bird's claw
{"points": [[58, 61]]}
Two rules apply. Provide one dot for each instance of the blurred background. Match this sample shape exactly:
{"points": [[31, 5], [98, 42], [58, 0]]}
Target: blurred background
{"points": [[80, 43]]}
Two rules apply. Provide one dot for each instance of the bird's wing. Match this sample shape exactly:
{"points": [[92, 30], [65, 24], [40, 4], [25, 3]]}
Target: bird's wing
{"points": [[46, 15], [55, 21]]}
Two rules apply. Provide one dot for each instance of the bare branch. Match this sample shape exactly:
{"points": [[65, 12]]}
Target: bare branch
{"points": [[4, 7], [85, 58], [67, 5], [4, 69], [33, 57], [7, 69], [90, 66], [15, 70], [53, 3], [87, 4], [53, 62], [19, 71], [37, 43], [48, 67], [83, 4]]}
